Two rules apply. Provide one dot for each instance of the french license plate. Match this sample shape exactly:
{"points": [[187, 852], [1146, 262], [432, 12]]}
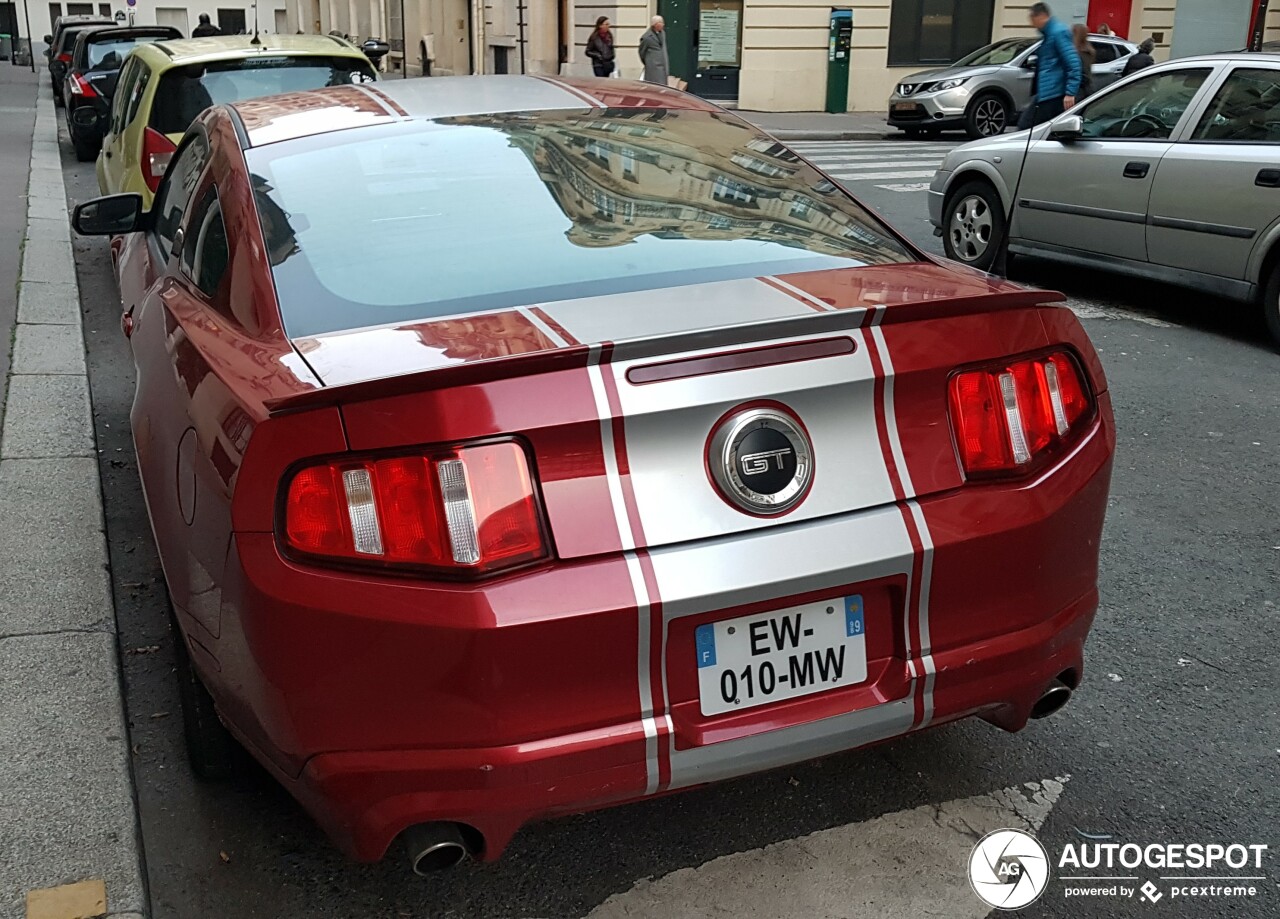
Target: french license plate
{"points": [[904, 106], [780, 655]]}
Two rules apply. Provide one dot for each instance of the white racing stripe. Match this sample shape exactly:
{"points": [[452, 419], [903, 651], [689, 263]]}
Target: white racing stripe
{"points": [[906, 864]]}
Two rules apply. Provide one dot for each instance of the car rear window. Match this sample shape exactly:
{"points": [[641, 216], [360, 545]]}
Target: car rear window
{"points": [[67, 40], [109, 55], [395, 223], [185, 92]]}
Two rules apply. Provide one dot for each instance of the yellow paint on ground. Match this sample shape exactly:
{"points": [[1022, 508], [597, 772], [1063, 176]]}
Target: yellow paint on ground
{"points": [[81, 900]]}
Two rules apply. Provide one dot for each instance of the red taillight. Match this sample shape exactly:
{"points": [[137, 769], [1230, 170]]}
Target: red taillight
{"points": [[157, 150], [1008, 416], [82, 87], [65, 57], [467, 509]]}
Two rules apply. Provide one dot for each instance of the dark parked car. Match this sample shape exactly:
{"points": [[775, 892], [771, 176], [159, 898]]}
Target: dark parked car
{"points": [[63, 39], [91, 80]]}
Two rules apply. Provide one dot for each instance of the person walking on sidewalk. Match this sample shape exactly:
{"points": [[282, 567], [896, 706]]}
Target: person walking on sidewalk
{"points": [[205, 27], [600, 48], [1140, 60], [653, 52], [1057, 71], [1088, 57]]}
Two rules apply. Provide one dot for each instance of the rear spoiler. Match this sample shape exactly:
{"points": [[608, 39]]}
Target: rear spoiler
{"points": [[577, 356]]}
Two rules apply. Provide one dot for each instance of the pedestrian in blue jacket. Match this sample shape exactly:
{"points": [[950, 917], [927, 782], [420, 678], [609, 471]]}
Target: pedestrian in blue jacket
{"points": [[1058, 71]]}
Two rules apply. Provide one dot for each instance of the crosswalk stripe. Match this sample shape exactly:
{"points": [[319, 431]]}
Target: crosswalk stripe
{"points": [[866, 176], [877, 164], [884, 148], [856, 157]]}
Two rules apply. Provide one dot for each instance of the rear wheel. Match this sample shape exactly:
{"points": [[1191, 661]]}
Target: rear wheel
{"points": [[212, 750], [988, 115], [973, 224], [1271, 304]]}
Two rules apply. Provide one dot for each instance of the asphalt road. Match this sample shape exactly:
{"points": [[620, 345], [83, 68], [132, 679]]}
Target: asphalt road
{"points": [[1174, 737]]}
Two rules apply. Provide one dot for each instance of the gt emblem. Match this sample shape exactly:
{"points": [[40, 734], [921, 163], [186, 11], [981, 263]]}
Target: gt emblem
{"points": [[761, 460], [758, 463]]}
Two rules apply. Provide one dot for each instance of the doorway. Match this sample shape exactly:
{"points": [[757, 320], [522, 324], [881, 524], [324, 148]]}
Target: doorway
{"points": [[1115, 13], [231, 22]]}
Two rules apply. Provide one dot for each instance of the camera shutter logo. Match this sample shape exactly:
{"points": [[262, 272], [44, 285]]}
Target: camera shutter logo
{"points": [[1008, 869]]}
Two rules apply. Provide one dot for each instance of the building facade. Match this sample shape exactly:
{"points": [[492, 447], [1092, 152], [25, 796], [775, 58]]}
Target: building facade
{"points": [[768, 55], [230, 15]]}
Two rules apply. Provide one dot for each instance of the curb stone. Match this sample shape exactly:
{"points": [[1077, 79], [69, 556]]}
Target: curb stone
{"points": [[67, 801]]}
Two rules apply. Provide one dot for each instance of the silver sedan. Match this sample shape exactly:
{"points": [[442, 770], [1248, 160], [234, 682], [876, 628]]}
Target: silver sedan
{"points": [[1171, 174]]}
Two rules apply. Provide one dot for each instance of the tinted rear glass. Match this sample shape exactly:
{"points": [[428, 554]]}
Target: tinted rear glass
{"points": [[396, 223], [185, 92], [109, 55], [67, 39]]}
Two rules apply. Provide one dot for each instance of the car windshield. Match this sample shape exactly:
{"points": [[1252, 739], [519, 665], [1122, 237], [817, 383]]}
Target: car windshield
{"points": [[109, 55], [1001, 52], [185, 92], [395, 223]]}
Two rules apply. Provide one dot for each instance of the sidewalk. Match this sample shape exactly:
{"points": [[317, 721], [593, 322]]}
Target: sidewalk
{"points": [[821, 125], [67, 809]]}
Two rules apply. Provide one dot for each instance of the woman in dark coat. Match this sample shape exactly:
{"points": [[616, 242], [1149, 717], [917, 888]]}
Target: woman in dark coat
{"points": [[1088, 57], [600, 48]]}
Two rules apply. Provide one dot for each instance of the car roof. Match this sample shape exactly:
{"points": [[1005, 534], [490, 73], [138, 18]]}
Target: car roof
{"points": [[222, 47], [272, 118], [78, 19], [1249, 56]]}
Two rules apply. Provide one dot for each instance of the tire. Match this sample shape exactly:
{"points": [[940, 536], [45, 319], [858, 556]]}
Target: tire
{"points": [[987, 116], [86, 151], [1271, 304], [973, 224], [212, 751]]}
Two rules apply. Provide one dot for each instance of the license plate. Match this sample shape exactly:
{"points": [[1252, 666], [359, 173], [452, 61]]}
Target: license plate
{"points": [[904, 106], [780, 655]]}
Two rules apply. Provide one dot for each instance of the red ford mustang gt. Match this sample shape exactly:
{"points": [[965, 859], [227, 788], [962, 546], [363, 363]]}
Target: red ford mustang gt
{"points": [[518, 446]]}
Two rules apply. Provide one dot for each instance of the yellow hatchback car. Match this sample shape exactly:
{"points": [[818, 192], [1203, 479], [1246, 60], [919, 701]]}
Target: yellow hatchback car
{"points": [[163, 86]]}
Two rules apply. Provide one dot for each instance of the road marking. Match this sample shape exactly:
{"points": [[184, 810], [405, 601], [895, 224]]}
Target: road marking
{"points": [[846, 165], [873, 157], [869, 176], [910, 863], [1092, 311], [906, 186]]}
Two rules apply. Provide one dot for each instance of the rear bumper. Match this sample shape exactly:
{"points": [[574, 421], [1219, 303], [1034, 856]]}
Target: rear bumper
{"points": [[364, 800], [382, 704]]}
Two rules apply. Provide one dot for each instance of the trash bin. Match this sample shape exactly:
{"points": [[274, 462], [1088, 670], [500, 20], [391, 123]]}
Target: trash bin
{"points": [[6, 47]]}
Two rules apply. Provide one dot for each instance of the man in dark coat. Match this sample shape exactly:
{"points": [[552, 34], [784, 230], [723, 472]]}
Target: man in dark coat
{"points": [[205, 27]]}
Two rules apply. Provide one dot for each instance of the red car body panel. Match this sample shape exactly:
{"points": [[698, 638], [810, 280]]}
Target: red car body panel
{"points": [[383, 700]]}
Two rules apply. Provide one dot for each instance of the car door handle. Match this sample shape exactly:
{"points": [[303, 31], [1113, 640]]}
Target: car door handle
{"points": [[1268, 178], [1136, 170]]}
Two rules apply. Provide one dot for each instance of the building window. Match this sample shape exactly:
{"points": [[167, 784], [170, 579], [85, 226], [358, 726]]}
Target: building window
{"points": [[629, 163], [725, 189], [800, 208], [79, 9], [937, 31]]}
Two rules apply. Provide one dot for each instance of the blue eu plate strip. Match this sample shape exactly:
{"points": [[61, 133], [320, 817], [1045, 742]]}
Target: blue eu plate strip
{"points": [[705, 638], [853, 615]]}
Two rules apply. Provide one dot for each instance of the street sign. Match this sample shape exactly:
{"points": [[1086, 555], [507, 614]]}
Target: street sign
{"points": [[131, 2], [120, 17]]}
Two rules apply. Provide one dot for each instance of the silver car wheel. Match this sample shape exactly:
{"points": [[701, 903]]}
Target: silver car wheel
{"points": [[970, 228], [990, 117]]}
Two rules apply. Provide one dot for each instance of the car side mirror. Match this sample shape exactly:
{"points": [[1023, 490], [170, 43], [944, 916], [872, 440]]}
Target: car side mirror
{"points": [[110, 215], [48, 39], [1067, 129], [1031, 62]]}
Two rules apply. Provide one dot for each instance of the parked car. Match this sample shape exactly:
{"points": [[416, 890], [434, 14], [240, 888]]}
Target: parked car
{"points": [[1170, 175], [984, 91], [516, 446], [165, 85], [91, 80], [62, 40]]}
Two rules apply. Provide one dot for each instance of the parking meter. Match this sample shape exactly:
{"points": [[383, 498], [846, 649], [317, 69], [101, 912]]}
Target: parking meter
{"points": [[839, 42]]}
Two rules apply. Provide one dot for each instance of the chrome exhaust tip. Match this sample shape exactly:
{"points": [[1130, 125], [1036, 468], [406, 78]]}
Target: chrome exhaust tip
{"points": [[435, 847], [1051, 700]]}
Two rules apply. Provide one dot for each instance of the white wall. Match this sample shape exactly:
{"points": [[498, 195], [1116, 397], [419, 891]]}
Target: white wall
{"points": [[146, 13]]}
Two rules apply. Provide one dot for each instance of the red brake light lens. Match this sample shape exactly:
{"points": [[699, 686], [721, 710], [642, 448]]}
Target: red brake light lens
{"points": [[82, 87], [157, 151], [1007, 417], [65, 57], [469, 509]]}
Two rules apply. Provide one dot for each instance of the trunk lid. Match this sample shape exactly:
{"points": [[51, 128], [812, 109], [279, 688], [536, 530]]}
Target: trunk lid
{"points": [[619, 397]]}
